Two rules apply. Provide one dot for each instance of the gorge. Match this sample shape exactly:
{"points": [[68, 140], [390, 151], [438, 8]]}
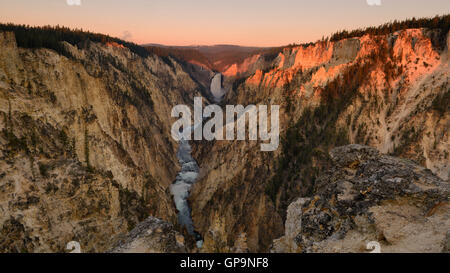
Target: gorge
{"points": [[189, 168], [87, 153]]}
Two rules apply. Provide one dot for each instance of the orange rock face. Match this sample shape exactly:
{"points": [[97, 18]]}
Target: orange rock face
{"points": [[114, 44], [256, 78], [410, 51], [313, 55], [415, 53], [241, 68]]}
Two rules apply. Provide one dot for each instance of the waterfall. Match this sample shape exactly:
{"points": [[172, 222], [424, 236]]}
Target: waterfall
{"points": [[216, 87]]}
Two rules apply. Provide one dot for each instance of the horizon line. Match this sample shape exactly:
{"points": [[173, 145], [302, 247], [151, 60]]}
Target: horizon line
{"points": [[224, 44]]}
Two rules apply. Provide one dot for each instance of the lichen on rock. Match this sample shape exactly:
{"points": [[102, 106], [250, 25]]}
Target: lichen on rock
{"points": [[394, 201], [151, 236]]}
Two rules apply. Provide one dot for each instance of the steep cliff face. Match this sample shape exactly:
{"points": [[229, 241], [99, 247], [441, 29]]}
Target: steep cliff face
{"points": [[248, 65], [85, 143], [228, 200], [369, 197], [388, 91]]}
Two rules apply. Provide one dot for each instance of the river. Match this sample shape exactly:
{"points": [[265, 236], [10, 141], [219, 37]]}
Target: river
{"points": [[189, 172]]}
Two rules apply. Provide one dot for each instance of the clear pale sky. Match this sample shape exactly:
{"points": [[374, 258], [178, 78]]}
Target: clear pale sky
{"points": [[208, 22]]}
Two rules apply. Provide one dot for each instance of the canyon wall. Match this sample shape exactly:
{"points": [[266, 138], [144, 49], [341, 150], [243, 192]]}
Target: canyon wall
{"points": [[390, 92], [85, 144]]}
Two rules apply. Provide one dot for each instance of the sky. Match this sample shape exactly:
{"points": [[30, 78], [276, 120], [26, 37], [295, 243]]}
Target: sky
{"points": [[209, 22]]}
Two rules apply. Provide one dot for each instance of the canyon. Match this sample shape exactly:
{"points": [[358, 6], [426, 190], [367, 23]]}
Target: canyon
{"points": [[87, 154]]}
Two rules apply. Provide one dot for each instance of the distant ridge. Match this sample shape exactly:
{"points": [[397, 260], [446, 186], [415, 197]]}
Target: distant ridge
{"points": [[215, 57]]}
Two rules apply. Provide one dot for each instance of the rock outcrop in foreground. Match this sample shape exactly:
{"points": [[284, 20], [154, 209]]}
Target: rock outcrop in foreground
{"points": [[151, 236], [368, 197]]}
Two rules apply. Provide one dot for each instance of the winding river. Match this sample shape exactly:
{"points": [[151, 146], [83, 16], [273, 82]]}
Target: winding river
{"points": [[189, 172], [182, 185]]}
